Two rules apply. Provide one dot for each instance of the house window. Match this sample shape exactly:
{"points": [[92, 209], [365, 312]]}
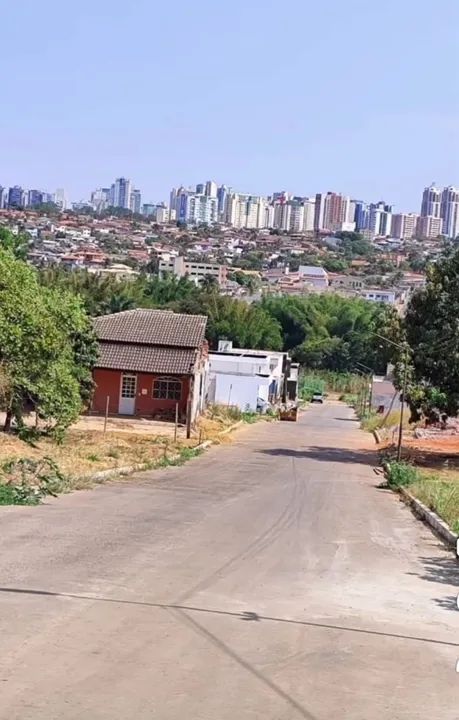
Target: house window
{"points": [[167, 389]]}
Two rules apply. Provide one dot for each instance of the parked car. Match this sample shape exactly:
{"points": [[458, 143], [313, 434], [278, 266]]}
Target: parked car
{"points": [[317, 398]]}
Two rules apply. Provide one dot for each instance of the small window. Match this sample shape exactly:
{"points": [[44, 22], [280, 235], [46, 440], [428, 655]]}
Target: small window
{"points": [[167, 389]]}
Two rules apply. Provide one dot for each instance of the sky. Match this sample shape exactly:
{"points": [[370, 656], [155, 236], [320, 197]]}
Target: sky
{"points": [[354, 96]]}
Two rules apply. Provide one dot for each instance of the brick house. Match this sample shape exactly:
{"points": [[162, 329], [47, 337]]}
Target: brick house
{"points": [[150, 361]]}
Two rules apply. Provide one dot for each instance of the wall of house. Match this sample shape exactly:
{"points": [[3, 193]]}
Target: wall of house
{"points": [[108, 383], [241, 391]]}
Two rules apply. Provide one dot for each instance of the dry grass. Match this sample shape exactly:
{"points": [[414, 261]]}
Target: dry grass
{"points": [[86, 452]]}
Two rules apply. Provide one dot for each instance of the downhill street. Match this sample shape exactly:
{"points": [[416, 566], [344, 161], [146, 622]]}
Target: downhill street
{"points": [[268, 579]]}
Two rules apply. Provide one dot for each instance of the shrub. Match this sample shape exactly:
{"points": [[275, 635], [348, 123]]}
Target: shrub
{"points": [[25, 481], [402, 474]]}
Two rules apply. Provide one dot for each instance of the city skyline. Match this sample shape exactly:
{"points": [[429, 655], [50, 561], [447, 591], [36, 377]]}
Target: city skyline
{"points": [[366, 118], [209, 203]]}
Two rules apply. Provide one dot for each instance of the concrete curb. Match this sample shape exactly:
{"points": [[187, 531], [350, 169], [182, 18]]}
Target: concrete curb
{"points": [[439, 526], [102, 475], [431, 518]]}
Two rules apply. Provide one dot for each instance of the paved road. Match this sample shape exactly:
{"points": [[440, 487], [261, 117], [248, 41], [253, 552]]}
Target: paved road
{"points": [[267, 579]]}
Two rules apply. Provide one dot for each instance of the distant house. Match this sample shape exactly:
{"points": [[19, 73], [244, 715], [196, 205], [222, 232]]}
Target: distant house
{"points": [[314, 275], [378, 295], [247, 378], [149, 362]]}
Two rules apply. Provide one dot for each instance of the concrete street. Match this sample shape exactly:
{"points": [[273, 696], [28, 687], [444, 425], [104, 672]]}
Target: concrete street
{"points": [[268, 579]]}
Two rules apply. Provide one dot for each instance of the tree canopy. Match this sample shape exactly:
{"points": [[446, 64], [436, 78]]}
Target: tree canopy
{"points": [[47, 347], [431, 327], [332, 332]]}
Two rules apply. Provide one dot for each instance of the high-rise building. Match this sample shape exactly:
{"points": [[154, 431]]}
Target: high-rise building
{"points": [[3, 197], [429, 227], [296, 224], [380, 219], [162, 214], [431, 202], [100, 199], [16, 197], [246, 211], [319, 212], [200, 189], [449, 212], [361, 215], [60, 199], [34, 197], [283, 214], [135, 202], [121, 193], [211, 189], [309, 205], [336, 211], [222, 197], [404, 225]]}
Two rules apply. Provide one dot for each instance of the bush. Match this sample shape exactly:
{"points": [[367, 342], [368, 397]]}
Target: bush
{"points": [[402, 474], [25, 481]]}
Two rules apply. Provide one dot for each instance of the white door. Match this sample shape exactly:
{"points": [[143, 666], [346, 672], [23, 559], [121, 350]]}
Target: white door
{"points": [[127, 395]]}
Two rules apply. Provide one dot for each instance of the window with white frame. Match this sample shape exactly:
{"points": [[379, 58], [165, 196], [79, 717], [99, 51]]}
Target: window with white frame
{"points": [[167, 389]]}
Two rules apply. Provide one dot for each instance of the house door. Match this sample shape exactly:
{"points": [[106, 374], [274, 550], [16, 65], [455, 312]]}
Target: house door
{"points": [[127, 395]]}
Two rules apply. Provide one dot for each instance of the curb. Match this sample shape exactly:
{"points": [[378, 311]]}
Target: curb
{"points": [[439, 526], [102, 475], [431, 518]]}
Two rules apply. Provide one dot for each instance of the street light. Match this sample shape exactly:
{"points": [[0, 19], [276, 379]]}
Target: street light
{"points": [[404, 349]]}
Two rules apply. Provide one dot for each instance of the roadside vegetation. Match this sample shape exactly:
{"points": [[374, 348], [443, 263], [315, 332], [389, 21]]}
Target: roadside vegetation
{"points": [[438, 491]]}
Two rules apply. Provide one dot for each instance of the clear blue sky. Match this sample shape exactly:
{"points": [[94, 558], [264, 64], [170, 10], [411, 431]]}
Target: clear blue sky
{"points": [[355, 96]]}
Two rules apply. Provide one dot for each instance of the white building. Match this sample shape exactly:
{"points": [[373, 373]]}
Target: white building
{"points": [[282, 215], [429, 227], [211, 188], [60, 199], [380, 219], [404, 225], [197, 271], [135, 202], [378, 295], [246, 211], [309, 205], [246, 378], [314, 275], [450, 211], [296, 224]]}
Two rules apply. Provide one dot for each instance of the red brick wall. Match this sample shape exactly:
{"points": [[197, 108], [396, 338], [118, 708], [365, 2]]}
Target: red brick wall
{"points": [[108, 382]]}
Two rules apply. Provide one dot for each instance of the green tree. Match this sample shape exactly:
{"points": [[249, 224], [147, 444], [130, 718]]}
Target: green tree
{"points": [[332, 332], [17, 244], [47, 347], [431, 326]]}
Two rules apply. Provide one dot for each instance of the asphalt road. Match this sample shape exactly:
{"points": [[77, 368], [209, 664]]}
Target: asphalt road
{"points": [[267, 579]]}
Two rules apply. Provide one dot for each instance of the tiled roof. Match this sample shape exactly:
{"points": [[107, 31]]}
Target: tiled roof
{"points": [[138, 358], [152, 327]]}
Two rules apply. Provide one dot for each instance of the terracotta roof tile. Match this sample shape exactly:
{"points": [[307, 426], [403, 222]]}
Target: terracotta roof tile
{"points": [[139, 358], [152, 327]]}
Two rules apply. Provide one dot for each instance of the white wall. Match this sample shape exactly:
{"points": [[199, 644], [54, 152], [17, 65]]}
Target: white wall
{"points": [[240, 390]]}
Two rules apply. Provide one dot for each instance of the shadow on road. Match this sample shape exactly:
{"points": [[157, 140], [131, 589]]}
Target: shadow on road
{"points": [[244, 615], [441, 570], [327, 454]]}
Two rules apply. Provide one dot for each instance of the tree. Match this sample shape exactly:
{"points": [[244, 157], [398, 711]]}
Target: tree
{"points": [[332, 332], [47, 347], [17, 244], [432, 330]]}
